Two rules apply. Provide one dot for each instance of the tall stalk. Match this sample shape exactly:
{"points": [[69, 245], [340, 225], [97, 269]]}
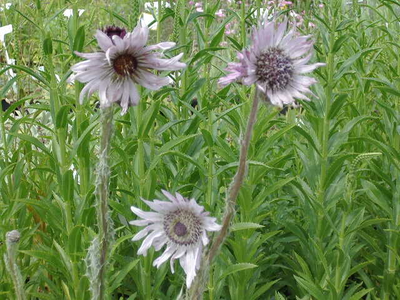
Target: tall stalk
{"points": [[98, 251], [196, 292]]}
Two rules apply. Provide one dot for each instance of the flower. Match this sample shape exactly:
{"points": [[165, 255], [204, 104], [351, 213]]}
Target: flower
{"points": [[275, 63], [220, 13], [181, 225], [123, 62]]}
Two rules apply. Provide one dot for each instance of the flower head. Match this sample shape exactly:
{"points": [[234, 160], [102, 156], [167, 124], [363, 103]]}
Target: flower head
{"points": [[123, 62], [181, 225], [275, 62]]}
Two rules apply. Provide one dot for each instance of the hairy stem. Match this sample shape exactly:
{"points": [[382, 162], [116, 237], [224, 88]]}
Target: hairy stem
{"points": [[197, 290], [98, 252]]}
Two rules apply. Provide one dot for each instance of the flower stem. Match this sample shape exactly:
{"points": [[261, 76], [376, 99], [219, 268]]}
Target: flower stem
{"points": [[98, 252], [12, 239], [196, 293]]}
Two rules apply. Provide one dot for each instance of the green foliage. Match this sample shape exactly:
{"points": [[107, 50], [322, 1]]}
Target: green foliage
{"points": [[318, 216]]}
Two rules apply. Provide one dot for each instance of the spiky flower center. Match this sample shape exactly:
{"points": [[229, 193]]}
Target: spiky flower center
{"points": [[125, 64], [115, 30], [182, 227], [274, 69]]}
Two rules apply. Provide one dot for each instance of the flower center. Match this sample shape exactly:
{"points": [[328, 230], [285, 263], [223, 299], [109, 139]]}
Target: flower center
{"points": [[274, 69], [182, 227], [125, 64]]}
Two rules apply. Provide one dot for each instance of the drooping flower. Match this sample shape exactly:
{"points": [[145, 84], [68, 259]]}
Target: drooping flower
{"points": [[275, 63], [179, 224], [123, 62]]}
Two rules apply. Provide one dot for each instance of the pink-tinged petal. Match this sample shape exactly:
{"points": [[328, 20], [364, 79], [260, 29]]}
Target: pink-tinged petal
{"points": [[151, 81], [134, 96], [160, 46], [180, 198], [120, 45], [204, 238], [302, 61], [299, 51], [170, 196], [171, 64], [164, 257], [95, 55], [147, 242], [160, 243], [249, 80], [308, 68], [152, 216], [141, 234], [103, 40], [280, 32], [140, 222], [286, 39], [138, 37]]}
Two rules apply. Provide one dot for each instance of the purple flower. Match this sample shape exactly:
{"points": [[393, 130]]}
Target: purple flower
{"points": [[179, 224], [123, 62], [275, 63]]}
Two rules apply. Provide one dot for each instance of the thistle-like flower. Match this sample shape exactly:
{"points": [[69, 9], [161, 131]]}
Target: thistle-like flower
{"points": [[181, 225], [123, 62], [275, 62]]}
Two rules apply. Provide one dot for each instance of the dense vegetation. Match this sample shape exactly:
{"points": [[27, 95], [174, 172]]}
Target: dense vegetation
{"points": [[318, 216]]}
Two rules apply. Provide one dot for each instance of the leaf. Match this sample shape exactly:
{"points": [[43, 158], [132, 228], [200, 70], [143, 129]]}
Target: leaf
{"points": [[361, 294], [263, 289], [204, 52], [310, 287], [34, 141], [79, 39], [236, 268], [245, 225], [348, 62], [29, 71], [48, 46], [148, 119], [68, 186], [120, 275], [207, 137], [62, 116]]}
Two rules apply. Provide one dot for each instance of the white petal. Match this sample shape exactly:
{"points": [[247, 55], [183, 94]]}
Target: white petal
{"points": [[308, 68], [134, 96], [161, 46], [141, 234], [164, 257], [279, 33], [170, 196], [140, 222], [151, 216], [103, 40], [151, 81], [148, 241]]}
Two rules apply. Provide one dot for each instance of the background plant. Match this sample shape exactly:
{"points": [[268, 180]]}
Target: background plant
{"points": [[318, 216]]}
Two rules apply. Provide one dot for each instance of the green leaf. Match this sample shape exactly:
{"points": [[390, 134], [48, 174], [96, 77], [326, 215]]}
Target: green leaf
{"points": [[207, 137], [79, 39], [148, 119], [310, 287], [48, 46], [68, 186], [62, 116], [245, 225], [119, 275], [231, 269]]}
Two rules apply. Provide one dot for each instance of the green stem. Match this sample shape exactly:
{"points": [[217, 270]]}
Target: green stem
{"points": [[196, 291], [103, 193]]}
